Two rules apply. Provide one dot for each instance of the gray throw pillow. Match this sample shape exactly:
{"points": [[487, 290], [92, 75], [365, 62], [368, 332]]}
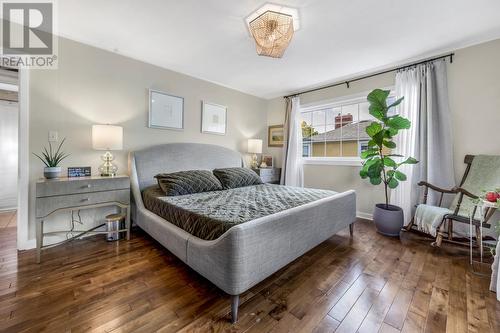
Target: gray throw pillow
{"points": [[237, 177], [188, 182]]}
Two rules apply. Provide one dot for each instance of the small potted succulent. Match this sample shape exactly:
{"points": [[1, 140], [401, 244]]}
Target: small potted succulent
{"points": [[380, 165], [51, 159]]}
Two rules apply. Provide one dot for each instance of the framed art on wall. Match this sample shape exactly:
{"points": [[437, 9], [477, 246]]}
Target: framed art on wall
{"points": [[165, 111], [275, 136], [213, 118]]}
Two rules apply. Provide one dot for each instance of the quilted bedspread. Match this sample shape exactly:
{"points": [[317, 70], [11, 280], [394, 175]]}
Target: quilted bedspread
{"points": [[208, 215]]}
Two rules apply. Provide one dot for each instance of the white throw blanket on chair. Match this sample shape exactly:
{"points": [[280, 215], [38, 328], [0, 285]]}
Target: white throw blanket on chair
{"points": [[428, 218]]}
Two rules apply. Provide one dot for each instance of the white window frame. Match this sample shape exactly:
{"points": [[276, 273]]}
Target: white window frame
{"points": [[335, 103]]}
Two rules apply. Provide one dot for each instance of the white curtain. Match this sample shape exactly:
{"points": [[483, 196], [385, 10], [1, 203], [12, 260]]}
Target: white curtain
{"points": [[292, 173], [429, 139]]}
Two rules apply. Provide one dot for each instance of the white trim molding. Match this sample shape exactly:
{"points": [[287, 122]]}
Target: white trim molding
{"points": [[346, 161], [365, 216], [23, 241]]}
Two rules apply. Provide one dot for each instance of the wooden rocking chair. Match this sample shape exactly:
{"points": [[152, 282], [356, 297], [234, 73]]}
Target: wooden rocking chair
{"points": [[455, 216]]}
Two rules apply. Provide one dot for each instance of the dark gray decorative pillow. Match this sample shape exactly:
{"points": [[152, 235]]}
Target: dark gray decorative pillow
{"points": [[237, 177], [188, 182]]}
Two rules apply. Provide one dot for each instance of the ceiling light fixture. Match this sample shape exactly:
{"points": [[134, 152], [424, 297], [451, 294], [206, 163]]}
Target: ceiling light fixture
{"points": [[272, 27]]}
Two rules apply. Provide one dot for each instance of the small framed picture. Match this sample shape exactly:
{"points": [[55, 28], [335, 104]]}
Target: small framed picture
{"points": [[275, 136], [165, 111], [213, 118], [268, 161]]}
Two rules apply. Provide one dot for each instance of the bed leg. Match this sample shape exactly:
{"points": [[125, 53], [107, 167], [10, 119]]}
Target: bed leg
{"points": [[351, 229], [235, 301]]}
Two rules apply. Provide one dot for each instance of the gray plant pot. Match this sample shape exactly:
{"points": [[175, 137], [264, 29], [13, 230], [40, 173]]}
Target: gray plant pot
{"points": [[388, 219], [52, 173]]}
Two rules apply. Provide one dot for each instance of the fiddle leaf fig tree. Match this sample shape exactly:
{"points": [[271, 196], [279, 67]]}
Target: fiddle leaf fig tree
{"points": [[379, 165]]}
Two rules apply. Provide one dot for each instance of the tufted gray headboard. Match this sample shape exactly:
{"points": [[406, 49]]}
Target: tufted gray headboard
{"points": [[174, 157]]}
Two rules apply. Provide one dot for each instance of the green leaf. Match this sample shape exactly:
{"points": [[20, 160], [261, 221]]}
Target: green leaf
{"points": [[373, 129], [375, 180], [41, 159], [392, 132], [378, 105], [409, 160], [396, 103], [398, 122], [369, 153], [390, 173], [378, 139], [378, 97], [393, 183], [389, 162], [363, 173], [371, 143], [377, 112], [395, 155], [389, 144], [399, 175]]}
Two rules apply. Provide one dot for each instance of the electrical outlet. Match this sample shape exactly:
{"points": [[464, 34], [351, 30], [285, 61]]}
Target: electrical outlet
{"points": [[53, 136]]}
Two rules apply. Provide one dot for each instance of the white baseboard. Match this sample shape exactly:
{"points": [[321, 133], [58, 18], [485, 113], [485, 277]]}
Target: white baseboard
{"points": [[5, 210], [27, 245], [365, 216]]}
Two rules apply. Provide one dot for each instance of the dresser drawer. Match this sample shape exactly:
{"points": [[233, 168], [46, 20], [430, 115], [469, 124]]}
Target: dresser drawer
{"points": [[266, 172], [84, 185], [47, 205]]}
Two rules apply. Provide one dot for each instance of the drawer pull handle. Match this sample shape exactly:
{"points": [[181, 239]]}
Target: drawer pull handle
{"points": [[88, 186], [86, 199]]}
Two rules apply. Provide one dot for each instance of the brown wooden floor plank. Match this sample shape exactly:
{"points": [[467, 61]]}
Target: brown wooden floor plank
{"points": [[477, 315], [438, 309], [358, 312], [457, 299], [386, 328], [414, 323], [327, 325], [397, 312]]}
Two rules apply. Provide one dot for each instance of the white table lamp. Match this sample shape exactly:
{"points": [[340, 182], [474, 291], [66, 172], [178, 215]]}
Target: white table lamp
{"points": [[254, 147], [107, 137]]}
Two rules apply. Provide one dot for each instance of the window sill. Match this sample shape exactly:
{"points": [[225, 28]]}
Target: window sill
{"points": [[342, 161]]}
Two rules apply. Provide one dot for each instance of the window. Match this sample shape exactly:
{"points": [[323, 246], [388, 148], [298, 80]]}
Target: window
{"points": [[336, 131]]}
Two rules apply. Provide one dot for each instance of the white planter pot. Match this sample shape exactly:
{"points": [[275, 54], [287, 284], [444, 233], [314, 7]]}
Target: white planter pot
{"points": [[51, 173]]}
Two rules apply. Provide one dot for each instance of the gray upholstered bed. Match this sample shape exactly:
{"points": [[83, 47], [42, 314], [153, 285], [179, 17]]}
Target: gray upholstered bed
{"points": [[247, 252]]}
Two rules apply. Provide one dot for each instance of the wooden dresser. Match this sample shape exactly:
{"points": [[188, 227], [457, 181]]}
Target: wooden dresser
{"points": [[72, 194], [269, 175]]}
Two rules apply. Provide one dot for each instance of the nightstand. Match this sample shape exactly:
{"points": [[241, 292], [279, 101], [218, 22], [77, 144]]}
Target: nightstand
{"points": [[269, 175], [73, 194]]}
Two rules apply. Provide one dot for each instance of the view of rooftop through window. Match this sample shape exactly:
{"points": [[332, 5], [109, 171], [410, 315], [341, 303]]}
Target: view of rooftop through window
{"points": [[337, 130]]}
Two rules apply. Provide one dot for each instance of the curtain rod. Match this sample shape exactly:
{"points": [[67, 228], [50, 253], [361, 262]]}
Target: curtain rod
{"points": [[347, 82]]}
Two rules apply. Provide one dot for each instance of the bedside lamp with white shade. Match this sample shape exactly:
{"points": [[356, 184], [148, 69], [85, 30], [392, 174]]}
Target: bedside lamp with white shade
{"points": [[107, 137], [255, 147]]}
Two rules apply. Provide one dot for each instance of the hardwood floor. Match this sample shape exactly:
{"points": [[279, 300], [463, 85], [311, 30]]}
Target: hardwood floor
{"points": [[368, 284], [8, 219]]}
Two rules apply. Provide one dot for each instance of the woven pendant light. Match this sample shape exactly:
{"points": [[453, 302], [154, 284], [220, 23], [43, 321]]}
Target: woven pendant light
{"points": [[272, 32]]}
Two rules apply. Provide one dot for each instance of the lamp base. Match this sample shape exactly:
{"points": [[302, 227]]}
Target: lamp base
{"points": [[255, 164], [108, 169]]}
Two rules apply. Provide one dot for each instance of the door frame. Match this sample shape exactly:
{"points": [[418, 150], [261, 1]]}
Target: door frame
{"points": [[23, 202]]}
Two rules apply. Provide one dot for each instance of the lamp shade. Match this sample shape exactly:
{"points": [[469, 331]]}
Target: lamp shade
{"points": [[255, 146], [107, 137]]}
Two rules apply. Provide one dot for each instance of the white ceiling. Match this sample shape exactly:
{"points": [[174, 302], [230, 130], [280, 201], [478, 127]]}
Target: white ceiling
{"points": [[208, 39]]}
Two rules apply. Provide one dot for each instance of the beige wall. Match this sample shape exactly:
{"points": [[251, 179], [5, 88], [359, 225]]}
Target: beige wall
{"points": [[95, 86], [474, 94]]}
